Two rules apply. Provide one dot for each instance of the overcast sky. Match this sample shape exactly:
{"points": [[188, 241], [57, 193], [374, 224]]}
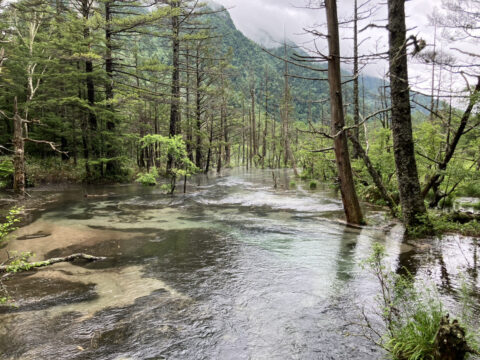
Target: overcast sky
{"points": [[266, 21]]}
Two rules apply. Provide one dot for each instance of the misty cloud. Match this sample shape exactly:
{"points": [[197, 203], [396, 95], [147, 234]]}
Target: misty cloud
{"points": [[268, 22]]}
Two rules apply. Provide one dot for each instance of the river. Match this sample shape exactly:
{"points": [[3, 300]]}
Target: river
{"points": [[234, 269]]}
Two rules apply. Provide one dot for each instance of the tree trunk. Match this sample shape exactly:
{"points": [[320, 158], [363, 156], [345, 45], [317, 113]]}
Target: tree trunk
{"points": [[403, 147], [113, 166], [209, 154], [18, 154], [265, 131], [356, 105], [198, 113], [175, 92], [254, 137], [351, 205], [286, 119], [34, 265]]}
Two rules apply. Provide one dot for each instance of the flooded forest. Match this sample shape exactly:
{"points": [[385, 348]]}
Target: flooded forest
{"points": [[239, 179]]}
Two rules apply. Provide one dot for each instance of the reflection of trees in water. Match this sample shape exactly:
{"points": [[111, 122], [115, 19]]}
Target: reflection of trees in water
{"points": [[433, 261], [345, 256]]}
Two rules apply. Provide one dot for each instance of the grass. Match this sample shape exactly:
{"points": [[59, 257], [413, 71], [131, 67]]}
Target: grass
{"points": [[415, 338]]}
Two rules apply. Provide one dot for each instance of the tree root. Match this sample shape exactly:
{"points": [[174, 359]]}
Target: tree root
{"points": [[451, 342], [26, 266]]}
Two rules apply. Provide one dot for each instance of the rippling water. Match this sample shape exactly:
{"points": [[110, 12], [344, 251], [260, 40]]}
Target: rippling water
{"points": [[232, 270]]}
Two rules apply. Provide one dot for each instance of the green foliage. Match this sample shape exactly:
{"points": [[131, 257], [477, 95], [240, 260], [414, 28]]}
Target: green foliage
{"points": [[6, 171], [444, 223], [469, 188], [313, 185], [8, 225], [53, 170], [446, 202], [292, 184], [173, 148], [20, 262], [149, 178], [411, 314]]}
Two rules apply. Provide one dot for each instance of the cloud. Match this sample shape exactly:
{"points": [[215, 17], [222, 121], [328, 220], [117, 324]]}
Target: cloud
{"points": [[268, 22]]}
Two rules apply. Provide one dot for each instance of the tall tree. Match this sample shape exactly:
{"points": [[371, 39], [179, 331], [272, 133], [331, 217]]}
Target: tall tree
{"points": [[413, 207], [350, 201]]}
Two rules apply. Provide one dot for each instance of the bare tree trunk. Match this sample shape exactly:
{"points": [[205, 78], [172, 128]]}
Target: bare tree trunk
{"points": [[356, 105], [18, 153], [351, 205], [209, 154], [175, 92], [187, 107], [113, 166], [265, 132], [243, 133], [286, 119], [254, 137], [198, 113], [403, 147]]}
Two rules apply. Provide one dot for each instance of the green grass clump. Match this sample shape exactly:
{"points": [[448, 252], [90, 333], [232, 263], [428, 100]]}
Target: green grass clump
{"points": [[415, 338], [313, 185], [292, 184], [412, 314]]}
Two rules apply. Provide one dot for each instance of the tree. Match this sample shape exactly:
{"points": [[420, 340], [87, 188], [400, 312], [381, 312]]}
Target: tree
{"points": [[413, 207], [350, 201]]}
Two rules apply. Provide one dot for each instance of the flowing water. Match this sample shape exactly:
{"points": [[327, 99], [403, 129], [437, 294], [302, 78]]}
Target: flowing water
{"points": [[232, 270]]}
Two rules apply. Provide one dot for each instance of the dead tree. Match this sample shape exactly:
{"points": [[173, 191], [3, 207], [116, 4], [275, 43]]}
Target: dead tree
{"points": [[350, 201]]}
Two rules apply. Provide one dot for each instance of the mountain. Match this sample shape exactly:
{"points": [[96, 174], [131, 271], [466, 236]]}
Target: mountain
{"points": [[250, 58]]}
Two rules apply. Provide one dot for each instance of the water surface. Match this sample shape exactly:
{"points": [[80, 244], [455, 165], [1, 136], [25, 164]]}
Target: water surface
{"points": [[232, 270]]}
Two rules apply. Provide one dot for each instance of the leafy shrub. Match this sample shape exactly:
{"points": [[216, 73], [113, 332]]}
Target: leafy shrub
{"points": [[470, 188], [292, 184], [9, 224], [6, 172], [176, 149], [313, 185], [148, 179]]}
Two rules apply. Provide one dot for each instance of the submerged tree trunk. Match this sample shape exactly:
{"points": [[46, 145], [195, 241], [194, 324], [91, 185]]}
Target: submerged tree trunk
{"points": [[351, 205], [411, 199]]}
